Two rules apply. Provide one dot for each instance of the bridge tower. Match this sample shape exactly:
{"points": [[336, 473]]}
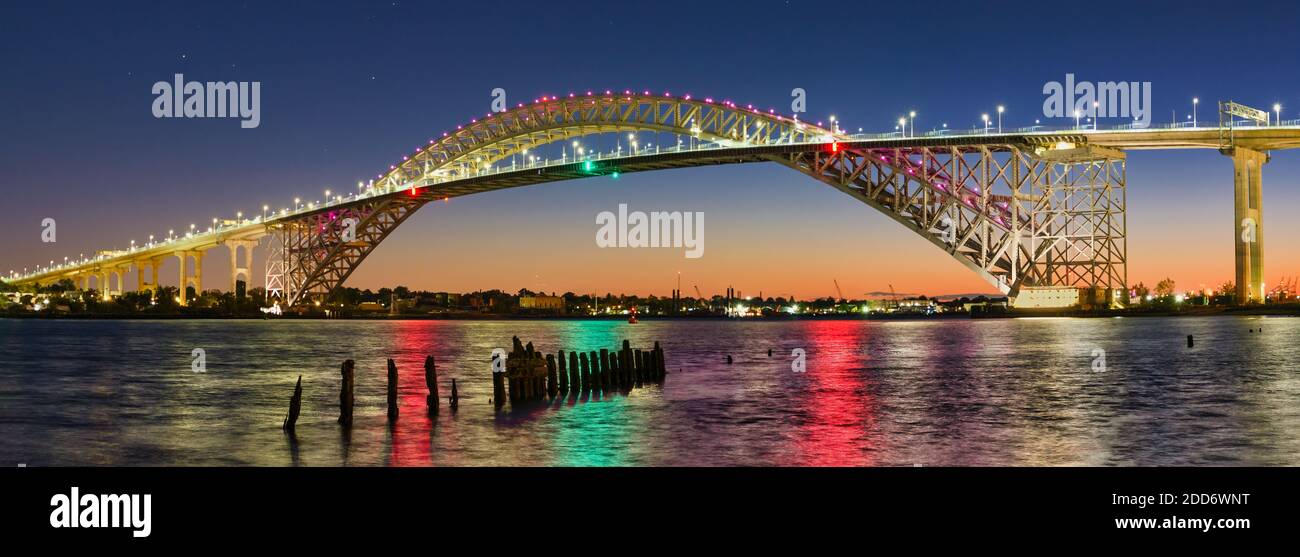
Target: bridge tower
{"points": [[1248, 202], [1248, 222]]}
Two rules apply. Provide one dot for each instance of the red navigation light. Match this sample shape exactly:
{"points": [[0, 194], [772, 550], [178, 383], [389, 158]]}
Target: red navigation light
{"points": [[835, 146], [414, 191]]}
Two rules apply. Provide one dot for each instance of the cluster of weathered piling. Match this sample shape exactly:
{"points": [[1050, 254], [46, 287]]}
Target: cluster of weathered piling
{"points": [[529, 376], [347, 396]]}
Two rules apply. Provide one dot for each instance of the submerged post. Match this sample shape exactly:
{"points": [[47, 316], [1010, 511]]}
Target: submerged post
{"points": [[563, 373], [346, 393], [431, 381], [455, 396], [498, 383], [295, 405], [392, 390], [551, 381]]}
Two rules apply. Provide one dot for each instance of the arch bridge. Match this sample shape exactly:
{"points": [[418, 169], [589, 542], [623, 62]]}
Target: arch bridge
{"points": [[1029, 210]]}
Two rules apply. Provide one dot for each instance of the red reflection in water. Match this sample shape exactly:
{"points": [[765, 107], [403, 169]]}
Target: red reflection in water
{"points": [[838, 430], [411, 435]]}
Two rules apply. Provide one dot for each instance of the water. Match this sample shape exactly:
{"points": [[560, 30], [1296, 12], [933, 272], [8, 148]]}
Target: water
{"points": [[900, 393]]}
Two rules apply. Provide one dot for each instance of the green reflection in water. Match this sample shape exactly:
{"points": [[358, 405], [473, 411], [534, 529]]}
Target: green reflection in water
{"points": [[591, 430]]}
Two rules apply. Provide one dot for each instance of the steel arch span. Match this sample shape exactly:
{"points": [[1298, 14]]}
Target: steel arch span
{"points": [[1019, 211]]}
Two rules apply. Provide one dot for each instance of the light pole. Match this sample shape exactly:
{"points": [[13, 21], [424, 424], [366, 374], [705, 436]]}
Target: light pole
{"points": [[902, 126], [1277, 109], [1195, 101], [1076, 118], [1000, 109], [985, 117], [911, 123], [1096, 114]]}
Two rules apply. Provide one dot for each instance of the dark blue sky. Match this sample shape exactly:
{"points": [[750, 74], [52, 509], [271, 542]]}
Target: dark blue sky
{"points": [[348, 88]]}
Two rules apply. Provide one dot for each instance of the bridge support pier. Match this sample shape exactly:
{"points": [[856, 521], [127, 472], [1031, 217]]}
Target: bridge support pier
{"points": [[235, 269], [198, 274], [1248, 223]]}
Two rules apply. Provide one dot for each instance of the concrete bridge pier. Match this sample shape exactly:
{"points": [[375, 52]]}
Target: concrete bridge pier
{"points": [[1248, 223], [235, 268], [151, 284], [196, 280]]}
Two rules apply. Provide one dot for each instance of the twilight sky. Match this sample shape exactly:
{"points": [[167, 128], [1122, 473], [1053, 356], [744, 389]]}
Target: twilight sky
{"points": [[347, 89]]}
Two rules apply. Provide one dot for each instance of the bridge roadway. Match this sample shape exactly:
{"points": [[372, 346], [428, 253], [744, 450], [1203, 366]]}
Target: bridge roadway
{"points": [[1248, 147]]}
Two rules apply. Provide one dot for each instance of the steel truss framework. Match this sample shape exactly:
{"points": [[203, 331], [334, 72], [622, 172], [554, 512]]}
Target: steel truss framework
{"points": [[503, 134], [1018, 214]]}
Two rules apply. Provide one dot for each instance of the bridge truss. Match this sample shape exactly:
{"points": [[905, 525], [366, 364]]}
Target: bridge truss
{"points": [[1020, 210], [1049, 215]]}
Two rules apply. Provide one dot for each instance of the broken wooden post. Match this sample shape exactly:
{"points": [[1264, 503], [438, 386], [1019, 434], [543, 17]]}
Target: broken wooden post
{"points": [[661, 369], [575, 379], [586, 372], [498, 383], [431, 381], [643, 373], [629, 364], [455, 396], [595, 370], [346, 389], [295, 405], [563, 373], [1190, 342], [616, 371], [392, 390], [605, 383], [552, 385]]}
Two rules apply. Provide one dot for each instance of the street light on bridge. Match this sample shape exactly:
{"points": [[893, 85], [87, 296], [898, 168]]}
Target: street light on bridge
{"points": [[902, 126], [1076, 118], [911, 123], [1000, 109], [1195, 101], [985, 117], [1277, 110]]}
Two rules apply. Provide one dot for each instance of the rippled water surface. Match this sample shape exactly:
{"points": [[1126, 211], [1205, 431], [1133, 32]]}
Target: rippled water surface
{"points": [[895, 393]]}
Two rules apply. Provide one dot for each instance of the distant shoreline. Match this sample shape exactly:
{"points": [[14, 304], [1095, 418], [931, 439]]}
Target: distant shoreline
{"points": [[1288, 310]]}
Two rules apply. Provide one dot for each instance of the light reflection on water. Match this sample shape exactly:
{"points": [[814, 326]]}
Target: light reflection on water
{"points": [[899, 393]]}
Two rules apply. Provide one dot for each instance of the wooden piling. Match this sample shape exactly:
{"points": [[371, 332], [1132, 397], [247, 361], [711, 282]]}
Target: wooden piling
{"points": [[431, 381], [295, 406], [455, 396], [346, 393], [563, 373], [1190, 342], [595, 370], [642, 374], [498, 385], [392, 390], [604, 370], [586, 372], [552, 385], [626, 365], [640, 358], [661, 369], [575, 379]]}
